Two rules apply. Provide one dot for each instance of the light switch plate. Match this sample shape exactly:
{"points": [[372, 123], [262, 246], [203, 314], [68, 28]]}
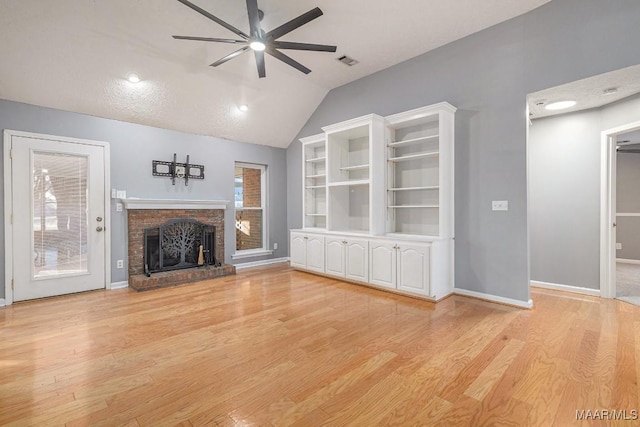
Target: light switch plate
{"points": [[114, 193], [122, 194], [618, 246], [500, 205]]}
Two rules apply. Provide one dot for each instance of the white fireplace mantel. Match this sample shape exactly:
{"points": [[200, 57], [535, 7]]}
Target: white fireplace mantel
{"points": [[135, 203]]}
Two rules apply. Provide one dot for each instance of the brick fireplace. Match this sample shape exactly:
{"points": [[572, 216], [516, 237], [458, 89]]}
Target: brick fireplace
{"points": [[145, 213]]}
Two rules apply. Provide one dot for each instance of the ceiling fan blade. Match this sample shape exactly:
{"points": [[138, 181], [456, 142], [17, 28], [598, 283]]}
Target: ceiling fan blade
{"points": [[294, 23], [208, 39], [260, 63], [288, 60], [254, 18], [230, 56], [214, 18], [303, 46]]}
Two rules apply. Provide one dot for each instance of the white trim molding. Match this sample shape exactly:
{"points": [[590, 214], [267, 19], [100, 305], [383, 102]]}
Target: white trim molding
{"points": [[631, 214], [260, 263], [119, 285], [628, 261], [2, 303], [252, 254], [134, 203], [493, 298], [566, 288]]}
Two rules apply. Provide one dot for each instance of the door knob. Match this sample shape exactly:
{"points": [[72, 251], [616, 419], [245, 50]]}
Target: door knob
{"points": [[99, 228], [99, 219]]}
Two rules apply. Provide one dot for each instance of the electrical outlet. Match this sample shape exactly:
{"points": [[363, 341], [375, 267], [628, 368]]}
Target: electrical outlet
{"points": [[119, 263], [618, 246], [118, 207], [275, 246]]}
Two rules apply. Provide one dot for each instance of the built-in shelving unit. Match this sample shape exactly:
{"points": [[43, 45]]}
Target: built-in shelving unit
{"points": [[420, 171], [378, 194], [351, 162], [315, 182]]}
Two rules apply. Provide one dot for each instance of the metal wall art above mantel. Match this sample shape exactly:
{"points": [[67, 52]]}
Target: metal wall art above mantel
{"points": [[175, 170]]}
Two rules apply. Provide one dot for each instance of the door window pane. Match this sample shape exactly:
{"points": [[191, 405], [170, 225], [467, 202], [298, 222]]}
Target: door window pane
{"points": [[59, 202]]}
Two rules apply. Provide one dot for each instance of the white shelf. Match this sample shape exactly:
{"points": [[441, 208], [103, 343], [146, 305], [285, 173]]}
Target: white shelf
{"points": [[414, 156], [354, 168], [411, 141], [322, 175], [317, 159], [349, 183], [415, 206], [315, 187], [433, 187]]}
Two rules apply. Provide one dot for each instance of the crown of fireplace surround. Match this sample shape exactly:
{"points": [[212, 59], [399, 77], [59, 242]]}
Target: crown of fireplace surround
{"points": [[145, 213]]}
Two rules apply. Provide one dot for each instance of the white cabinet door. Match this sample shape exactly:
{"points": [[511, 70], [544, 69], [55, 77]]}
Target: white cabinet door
{"points": [[382, 264], [315, 253], [413, 268], [298, 249], [335, 256], [357, 260]]}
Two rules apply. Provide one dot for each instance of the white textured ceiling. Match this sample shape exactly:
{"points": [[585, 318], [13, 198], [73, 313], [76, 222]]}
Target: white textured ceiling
{"points": [[74, 55], [588, 93]]}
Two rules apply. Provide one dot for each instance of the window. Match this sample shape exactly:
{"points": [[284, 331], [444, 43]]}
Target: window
{"points": [[250, 203]]}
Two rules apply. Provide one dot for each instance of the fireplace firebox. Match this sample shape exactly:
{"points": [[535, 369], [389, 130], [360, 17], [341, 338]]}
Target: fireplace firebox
{"points": [[178, 244]]}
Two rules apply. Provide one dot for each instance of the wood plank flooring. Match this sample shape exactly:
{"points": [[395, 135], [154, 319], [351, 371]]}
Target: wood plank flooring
{"points": [[273, 346]]}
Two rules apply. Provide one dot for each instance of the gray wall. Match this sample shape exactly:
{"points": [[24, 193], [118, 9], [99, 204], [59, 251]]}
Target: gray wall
{"points": [[628, 201], [564, 194], [487, 76], [133, 147]]}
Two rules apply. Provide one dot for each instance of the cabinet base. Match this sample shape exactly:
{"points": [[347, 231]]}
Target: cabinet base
{"points": [[378, 288]]}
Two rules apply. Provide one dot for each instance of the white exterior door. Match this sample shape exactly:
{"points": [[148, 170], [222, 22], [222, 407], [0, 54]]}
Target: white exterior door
{"points": [[357, 262], [413, 268], [382, 258], [58, 203]]}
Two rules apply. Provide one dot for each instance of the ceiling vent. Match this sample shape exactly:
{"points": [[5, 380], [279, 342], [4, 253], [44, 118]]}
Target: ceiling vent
{"points": [[347, 60]]}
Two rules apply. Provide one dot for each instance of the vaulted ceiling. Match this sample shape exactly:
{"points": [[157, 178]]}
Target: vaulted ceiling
{"points": [[75, 55]]}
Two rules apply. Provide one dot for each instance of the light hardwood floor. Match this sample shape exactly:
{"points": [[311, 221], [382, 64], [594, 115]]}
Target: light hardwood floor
{"points": [[272, 346]]}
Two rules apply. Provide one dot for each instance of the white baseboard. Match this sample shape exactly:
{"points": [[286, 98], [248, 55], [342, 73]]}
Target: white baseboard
{"points": [[566, 288], [259, 263], [119, 285], [494, 298], [628, 261], [2, 303]]}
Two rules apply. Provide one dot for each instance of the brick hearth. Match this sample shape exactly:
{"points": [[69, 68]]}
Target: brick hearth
{"points": [[139, 219]]}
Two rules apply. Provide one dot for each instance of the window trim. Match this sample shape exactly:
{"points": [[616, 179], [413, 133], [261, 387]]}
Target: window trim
{"points": [[264, 189]]}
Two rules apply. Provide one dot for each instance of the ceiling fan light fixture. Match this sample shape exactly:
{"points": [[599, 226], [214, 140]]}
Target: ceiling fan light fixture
{"points": [[257, 45], [560, 105]]}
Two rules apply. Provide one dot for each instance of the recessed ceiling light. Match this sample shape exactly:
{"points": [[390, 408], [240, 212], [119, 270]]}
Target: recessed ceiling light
{"points": [[257, 45], [560, 105], [244, 108], [610, 91], [133, 78]]}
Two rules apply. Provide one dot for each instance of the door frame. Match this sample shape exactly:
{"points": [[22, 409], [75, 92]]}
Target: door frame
{"points": [[8, 204], [608, 208]]}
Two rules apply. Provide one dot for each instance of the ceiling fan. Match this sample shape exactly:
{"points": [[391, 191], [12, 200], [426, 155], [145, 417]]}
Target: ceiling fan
{"points": [[260, 41]]}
